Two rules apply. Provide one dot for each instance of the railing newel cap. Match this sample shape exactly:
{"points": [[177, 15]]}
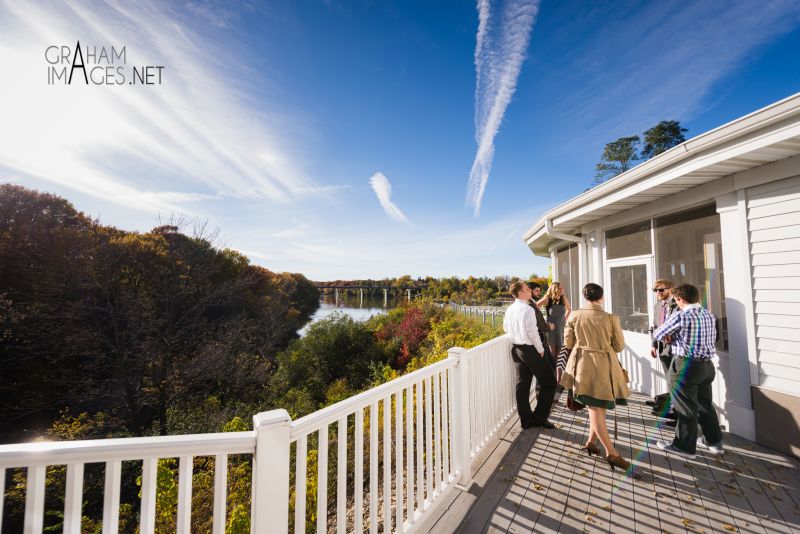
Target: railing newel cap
{"points": [[264, 420]]}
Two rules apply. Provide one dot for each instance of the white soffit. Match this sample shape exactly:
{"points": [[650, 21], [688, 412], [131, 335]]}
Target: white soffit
{"points": [[765, 136]]}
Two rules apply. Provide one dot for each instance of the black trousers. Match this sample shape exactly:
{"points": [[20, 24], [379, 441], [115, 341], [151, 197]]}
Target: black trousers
{"points": [[528, 364], [691, 380]]}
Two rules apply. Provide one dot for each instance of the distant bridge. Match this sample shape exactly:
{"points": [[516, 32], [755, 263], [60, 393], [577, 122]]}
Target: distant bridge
{"points": [[349, 287]]}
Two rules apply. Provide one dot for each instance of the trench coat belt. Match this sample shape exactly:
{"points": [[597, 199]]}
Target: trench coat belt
{"points": [[592, 349]]}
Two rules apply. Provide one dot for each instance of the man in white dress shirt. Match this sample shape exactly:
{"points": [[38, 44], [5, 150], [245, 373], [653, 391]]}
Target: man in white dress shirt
{"points": [[529, 359]]}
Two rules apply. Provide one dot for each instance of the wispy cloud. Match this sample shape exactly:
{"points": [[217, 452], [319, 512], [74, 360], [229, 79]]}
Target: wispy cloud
{"points": [[499, 53], [200, 131], [659, 61], [383, 190]]}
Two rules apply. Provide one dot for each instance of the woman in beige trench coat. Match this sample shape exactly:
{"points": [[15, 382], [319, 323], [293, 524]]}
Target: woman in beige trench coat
{"points": [[594, 376]]}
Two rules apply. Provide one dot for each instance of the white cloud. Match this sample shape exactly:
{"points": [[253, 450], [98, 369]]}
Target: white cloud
{"points": [[499, 53], [201, 131], [383, 190]]}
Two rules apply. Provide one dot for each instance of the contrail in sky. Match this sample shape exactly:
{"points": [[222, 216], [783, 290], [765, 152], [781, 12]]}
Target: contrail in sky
{"points": [[383, 190], [499, 52]]}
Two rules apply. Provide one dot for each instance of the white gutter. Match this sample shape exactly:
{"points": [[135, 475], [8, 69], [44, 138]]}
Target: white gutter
{"points": [[548, 229]]}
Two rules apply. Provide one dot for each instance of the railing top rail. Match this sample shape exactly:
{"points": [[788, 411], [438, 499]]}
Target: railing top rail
{"points": [[102, 450], [474, 351], [315, 421]]}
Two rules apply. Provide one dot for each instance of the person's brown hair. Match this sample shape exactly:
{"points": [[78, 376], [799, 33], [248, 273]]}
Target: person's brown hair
{"points": [[592, 292], [516, 287], [687, 292], [664, 282]]}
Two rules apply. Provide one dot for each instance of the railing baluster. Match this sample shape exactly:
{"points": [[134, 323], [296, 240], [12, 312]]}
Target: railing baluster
{"points": [[184, 523], [410, 453], [148, 510], [301, 452], [420, 439], [398, 460], [493, 422], [429, 435], [221, 493], [322, 481], [111, 497], [341, 476], [34, 499], [445, 422], [437, 431], [472, 380], [358, 518], [373, 467], [73, 499], [387, 464], [2, 494]]}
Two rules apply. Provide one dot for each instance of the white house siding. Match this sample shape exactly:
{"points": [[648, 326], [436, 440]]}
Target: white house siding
{"points": [[773, 215]]}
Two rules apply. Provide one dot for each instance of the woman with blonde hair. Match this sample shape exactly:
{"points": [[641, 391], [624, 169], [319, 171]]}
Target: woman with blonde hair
{"points": [[558, 311], [594, 377]]}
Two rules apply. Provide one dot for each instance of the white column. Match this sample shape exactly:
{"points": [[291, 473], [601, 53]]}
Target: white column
{"points": [[270, 494], [742, 361], [583, 268], [459, 400]]}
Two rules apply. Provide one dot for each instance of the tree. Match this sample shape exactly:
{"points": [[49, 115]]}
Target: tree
{"points": [[662, 137], [618, 156]]}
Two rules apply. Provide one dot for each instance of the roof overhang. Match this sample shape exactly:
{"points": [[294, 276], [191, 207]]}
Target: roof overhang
{"points": [[762, 137]]}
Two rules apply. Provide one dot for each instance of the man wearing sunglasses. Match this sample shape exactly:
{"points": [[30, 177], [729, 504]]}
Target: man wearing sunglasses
{"points": [[665, 306]]}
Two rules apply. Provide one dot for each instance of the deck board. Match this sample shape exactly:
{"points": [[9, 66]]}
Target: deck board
{"points": [[539, 480]]}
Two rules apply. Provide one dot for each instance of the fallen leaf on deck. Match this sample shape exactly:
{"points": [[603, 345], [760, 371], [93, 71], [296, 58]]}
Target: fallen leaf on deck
{"points": [[729, 528], [686, 522]]}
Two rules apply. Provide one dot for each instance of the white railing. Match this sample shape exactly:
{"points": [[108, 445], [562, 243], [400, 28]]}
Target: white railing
{"points": [[387, 455]]}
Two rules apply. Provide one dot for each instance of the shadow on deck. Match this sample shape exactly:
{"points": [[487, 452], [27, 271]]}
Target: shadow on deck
{"points": [[538, 480]]}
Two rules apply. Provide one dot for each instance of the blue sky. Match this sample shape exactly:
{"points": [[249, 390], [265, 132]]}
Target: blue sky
{"points": [[341, 139]]}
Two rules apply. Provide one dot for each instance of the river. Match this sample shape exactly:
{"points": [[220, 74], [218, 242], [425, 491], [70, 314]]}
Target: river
{"points": [[351, 304]]}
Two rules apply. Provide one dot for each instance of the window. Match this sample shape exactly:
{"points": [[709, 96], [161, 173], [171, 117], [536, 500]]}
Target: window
{"points": [[689, 249], [569, 273], [630, 301], [630, 240]]}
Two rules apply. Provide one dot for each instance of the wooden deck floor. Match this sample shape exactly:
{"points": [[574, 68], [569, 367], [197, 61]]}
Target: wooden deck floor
{"points": [[537, 480]]}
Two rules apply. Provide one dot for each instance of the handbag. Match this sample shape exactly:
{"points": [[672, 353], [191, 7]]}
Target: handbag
{"points": [[574, 405]]}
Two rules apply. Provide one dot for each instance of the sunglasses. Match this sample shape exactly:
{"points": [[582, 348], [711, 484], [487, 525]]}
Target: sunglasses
{"points": [[659, 290]]}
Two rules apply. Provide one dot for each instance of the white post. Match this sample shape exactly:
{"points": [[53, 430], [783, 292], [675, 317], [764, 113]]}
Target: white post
{"points": [[270, 496], [385, 297], [409, 295], [459, 400]]}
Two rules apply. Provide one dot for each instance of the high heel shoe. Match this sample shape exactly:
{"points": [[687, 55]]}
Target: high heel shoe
{"points": [[591, 448], [617, 461]]}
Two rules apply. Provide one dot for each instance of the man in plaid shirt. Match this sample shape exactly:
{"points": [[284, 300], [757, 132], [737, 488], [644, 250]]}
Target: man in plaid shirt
{"points": [[692, 335]]}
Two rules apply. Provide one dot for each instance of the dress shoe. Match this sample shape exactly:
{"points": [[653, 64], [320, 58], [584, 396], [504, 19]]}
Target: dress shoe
{"points": [[662, 411], [651, 402], [591, 448], [618, 461], [672, 423], [544, 424]]}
